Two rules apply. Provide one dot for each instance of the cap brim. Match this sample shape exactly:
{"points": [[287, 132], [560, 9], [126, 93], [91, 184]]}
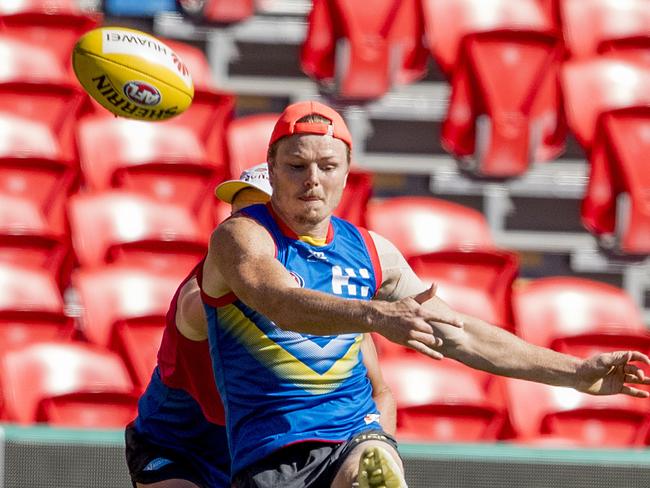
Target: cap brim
{"points": [[227, 190]]}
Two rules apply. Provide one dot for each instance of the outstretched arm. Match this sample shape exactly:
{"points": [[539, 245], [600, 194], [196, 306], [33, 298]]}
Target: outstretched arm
{"points": [[381, 393], [489, 348]]}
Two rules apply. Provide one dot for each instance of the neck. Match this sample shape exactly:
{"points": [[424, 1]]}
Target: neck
{"points": [[301, 228]]}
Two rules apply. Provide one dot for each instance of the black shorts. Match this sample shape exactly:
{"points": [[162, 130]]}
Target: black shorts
{"points": [[150, 463], [309, 464]]}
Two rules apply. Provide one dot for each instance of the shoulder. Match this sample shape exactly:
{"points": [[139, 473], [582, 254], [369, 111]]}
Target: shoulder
{"points": [[240, 232]]}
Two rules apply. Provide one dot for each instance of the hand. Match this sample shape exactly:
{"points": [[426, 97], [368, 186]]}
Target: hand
{"points": [[407, 323], [608, 373]]}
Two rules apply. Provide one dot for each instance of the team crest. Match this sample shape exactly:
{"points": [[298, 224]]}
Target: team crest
{"points": [[299, 279]]}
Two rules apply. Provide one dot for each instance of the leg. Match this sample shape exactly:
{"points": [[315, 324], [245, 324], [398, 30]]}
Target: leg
{"points": [[371, 464], [168, 484]]}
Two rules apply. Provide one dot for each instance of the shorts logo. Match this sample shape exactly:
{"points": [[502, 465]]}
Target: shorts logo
{"points": [[299, 279], [156, 464], [142, 93]]}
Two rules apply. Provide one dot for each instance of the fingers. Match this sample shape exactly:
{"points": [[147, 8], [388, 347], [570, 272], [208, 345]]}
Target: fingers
{"points": [[638, 356], [634, 392], [421, 348], [428, 340], [636, 372]]}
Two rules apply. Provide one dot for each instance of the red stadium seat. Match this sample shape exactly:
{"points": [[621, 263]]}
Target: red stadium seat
{"points": [[208, 117], [635, 49], [586, 24], [478, 283], [26, 239], [619, 170], [22, 61], [196, 61], [52, 6], [419, 225], [226, 11], [539, 411], [49, 109], [356, 195], [46, 183], [448, 21], [504, 111], [442, 402], [93, 410], [137, 340], [596, 85], [116, 293], [41, 371], [54, 29], [165, 162], [359, 49], [31, 307], [248, 140], [118, 226], [578, 316]]}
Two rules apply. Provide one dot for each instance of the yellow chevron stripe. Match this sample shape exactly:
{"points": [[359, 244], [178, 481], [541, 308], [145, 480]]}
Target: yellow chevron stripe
{"points": [[284, 364]]}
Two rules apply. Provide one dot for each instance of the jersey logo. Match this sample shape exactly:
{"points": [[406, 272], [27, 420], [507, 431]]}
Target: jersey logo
{"points": [[156, 464], [341, 281], [316, 256]]}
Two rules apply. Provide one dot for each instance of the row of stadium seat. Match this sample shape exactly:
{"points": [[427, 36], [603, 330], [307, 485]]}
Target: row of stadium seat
{"points": [[76, 384]]}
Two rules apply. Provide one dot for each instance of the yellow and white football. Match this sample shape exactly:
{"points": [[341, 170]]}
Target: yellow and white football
{"points": [[132, 74]]}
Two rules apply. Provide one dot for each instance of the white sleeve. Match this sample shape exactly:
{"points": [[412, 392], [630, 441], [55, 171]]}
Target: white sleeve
{"points": [[398, 279]]}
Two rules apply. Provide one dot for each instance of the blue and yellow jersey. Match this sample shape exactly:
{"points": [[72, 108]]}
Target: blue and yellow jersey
{"points": [[281, 387]]}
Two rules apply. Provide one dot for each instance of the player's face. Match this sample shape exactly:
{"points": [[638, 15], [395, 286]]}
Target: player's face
{"points": [[308, 175]]}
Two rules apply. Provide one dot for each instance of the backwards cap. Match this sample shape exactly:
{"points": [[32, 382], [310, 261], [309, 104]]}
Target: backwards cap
{"points": [[287, 124]]}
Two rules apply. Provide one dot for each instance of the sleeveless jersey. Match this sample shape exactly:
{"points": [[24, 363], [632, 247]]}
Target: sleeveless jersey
{"points": [[186, 365], [281, 387]]}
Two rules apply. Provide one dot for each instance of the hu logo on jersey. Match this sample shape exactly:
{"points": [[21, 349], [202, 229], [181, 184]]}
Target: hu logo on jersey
{"points": [[341, 281]]}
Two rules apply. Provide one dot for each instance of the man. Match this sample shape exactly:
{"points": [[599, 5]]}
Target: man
{"points": [[178, 439], [284, 324]]}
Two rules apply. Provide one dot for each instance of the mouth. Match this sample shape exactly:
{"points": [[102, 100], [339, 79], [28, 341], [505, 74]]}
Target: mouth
{"points": [[309, 198]]}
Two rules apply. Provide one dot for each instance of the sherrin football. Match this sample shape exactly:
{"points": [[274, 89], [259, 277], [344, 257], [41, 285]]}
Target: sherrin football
{"points": [[132, 74]]}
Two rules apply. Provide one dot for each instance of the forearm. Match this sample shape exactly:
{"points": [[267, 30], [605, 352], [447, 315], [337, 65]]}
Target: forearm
{"points": [[492, 349], [311, 312], [387, 408]]}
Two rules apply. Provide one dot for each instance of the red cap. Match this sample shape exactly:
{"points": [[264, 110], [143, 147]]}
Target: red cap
{"points": [[287, 126]]}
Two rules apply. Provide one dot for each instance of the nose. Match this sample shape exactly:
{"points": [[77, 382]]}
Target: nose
{"points": [[311, 178]]}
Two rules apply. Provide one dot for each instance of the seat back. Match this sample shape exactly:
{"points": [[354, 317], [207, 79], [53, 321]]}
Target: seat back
{"points": [[586, 24], [448, 21], [358, 50], [248, 140], [418, 225], [596, 85], [54, 107], [619, 169], [117, 293], [504, 111], [122, 226], [478, 283], [226, 11], [44, 370], [89, 410], [594, 421], [23, 61], [441, 402], [356, 195], [548, 309]]}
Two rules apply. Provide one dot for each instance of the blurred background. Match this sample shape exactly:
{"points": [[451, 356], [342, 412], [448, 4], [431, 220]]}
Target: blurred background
{"points": [[502, 145]]}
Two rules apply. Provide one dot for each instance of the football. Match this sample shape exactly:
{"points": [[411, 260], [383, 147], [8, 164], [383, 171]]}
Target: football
{"points": [[132, 74]]}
